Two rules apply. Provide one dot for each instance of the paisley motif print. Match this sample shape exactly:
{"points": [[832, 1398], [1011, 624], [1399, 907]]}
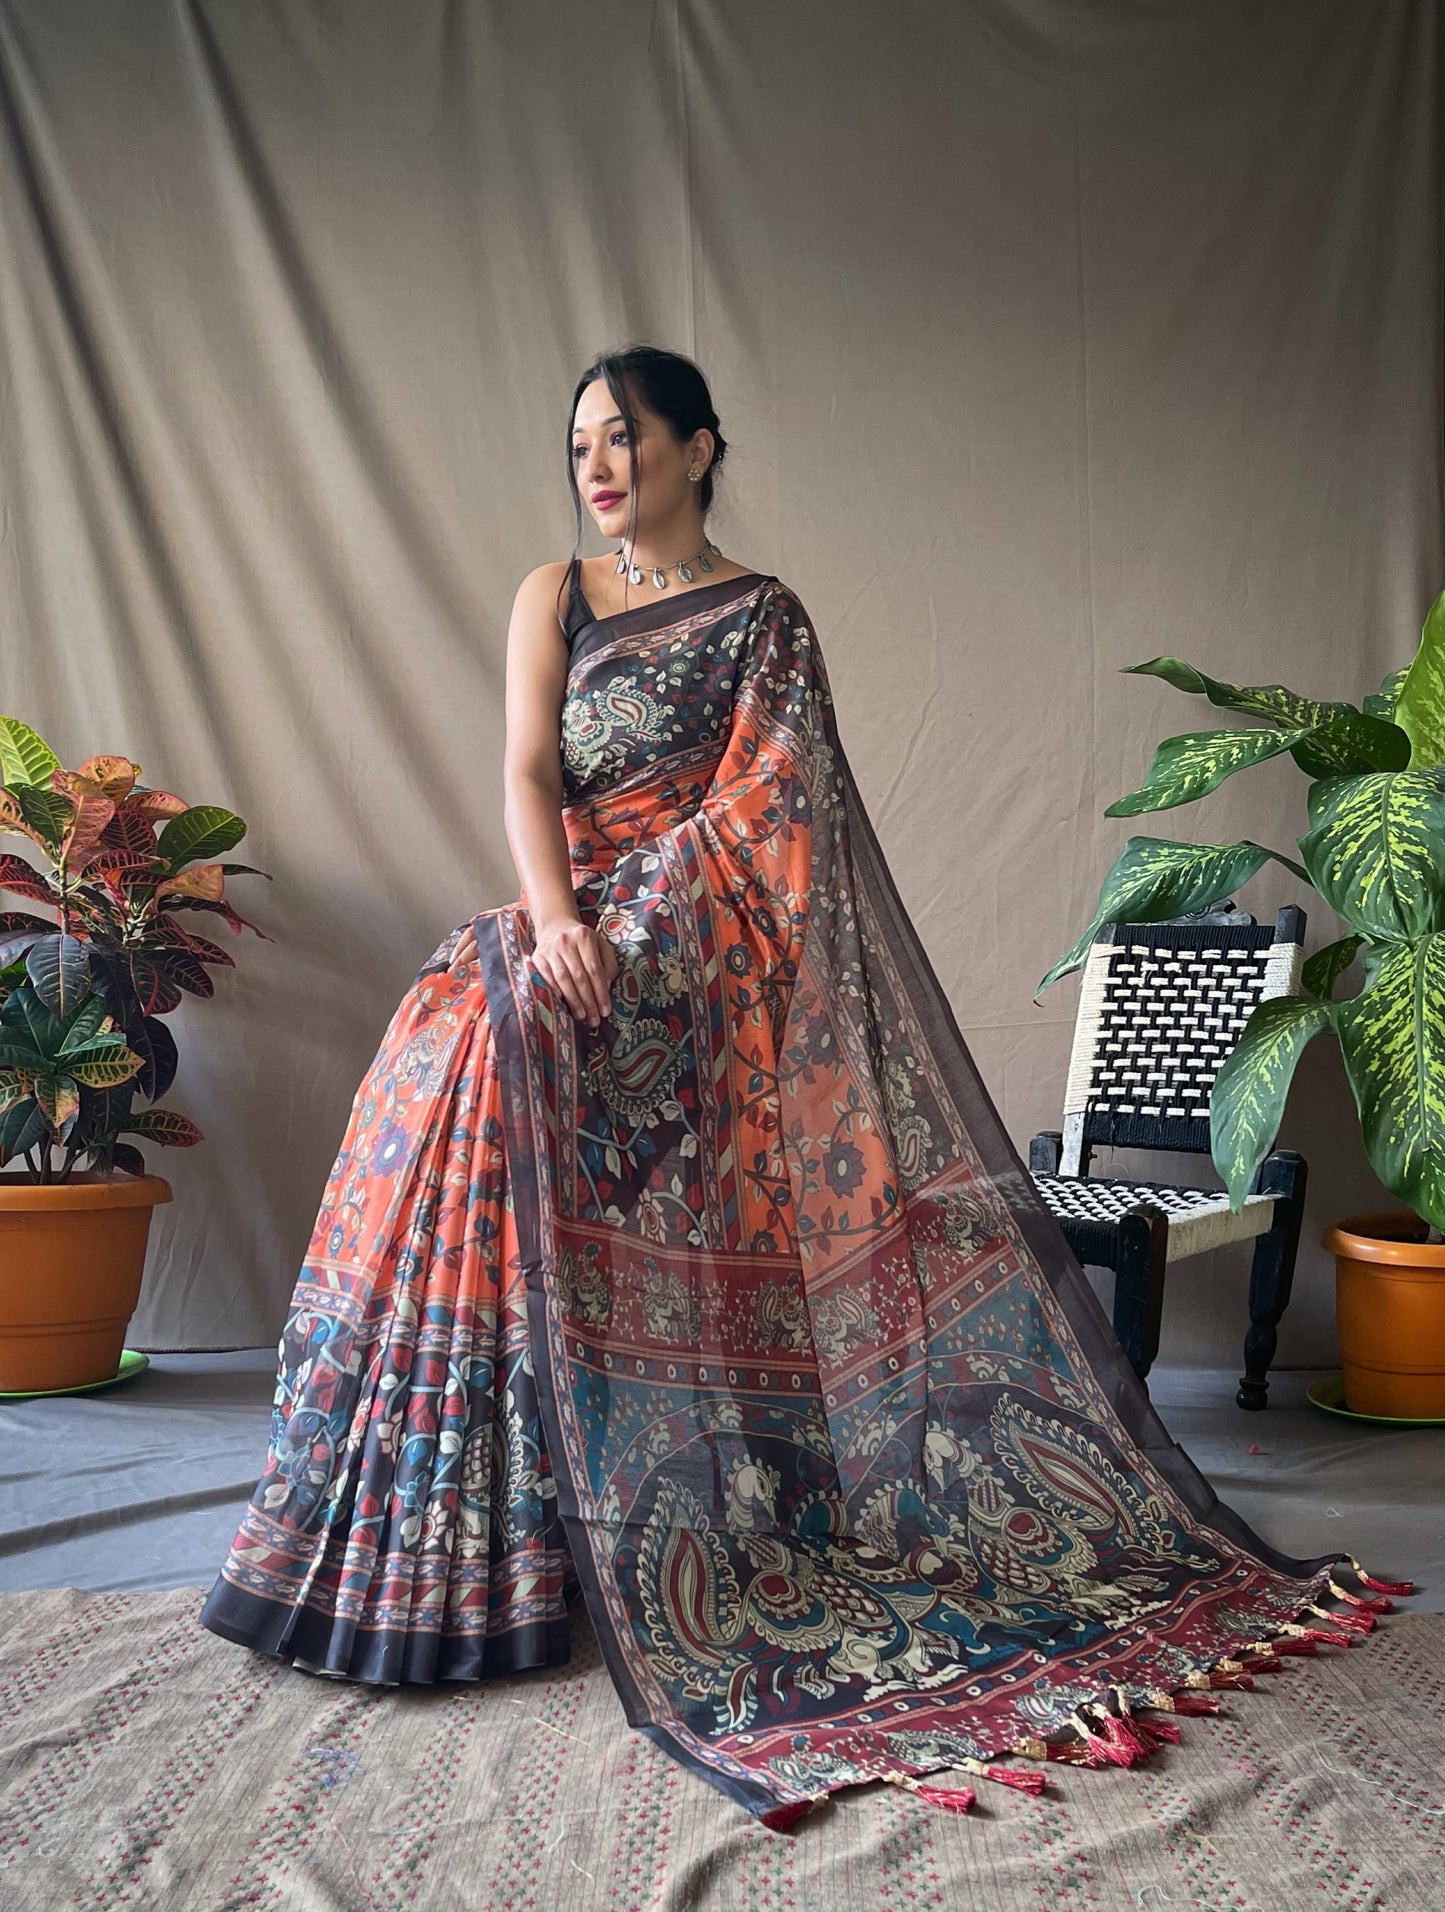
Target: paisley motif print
{"points": [[741, 1307]]}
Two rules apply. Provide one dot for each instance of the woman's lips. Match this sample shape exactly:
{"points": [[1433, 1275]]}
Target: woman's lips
{"points": [[604, 500]]}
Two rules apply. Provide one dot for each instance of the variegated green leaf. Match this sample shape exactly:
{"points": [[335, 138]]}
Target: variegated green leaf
{"points": [[1393, 1039], [15, 1085], [1284, 707], [1382, 703], [204, 832], [1420, 705], [1325, 968], [1155, 879], [1342, 739], [1188, 767], [165, 1126], [59, 1100], [104, 1048], [46, 812], [83, 1026], [22, 1127], [104, 1072], [1373, 851], [59, 969], [1247, 1101], [25, 758], [1351, 743], [26, 1019]]}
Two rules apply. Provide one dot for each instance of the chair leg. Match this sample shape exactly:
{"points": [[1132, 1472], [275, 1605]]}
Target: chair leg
{"points": [[1044, 1152], [1139, 1286], [1282, 1175]]}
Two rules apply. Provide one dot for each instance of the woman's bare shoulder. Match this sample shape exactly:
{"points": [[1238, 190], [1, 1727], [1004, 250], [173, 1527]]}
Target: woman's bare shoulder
{"points": [[539, 596], [543, 578]]}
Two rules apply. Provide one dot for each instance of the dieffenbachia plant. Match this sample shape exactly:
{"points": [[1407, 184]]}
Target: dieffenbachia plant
{"points": [[1375, 851], [81, 998]]}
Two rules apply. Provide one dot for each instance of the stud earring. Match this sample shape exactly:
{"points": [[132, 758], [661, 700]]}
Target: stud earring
{"points": [[694, 474]]}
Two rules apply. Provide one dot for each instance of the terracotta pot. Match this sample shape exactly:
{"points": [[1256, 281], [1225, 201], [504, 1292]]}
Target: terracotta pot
{"points": [[1390, 1311], [71, 1261]]}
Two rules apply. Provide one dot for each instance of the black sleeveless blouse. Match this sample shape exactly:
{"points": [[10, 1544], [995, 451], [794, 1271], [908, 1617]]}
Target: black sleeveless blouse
{"points": [[578, 611]]}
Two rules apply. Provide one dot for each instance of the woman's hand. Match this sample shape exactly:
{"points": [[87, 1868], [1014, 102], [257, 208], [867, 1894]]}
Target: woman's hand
{"points": [[466, 949], [579, 963]]}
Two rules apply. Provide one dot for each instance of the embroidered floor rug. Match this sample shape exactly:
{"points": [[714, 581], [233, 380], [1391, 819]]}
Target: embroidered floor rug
{"points": [[144, 1763]]}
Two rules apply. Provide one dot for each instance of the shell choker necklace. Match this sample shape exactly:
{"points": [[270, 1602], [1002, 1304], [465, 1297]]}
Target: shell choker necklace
{"points": [[660, 571]]}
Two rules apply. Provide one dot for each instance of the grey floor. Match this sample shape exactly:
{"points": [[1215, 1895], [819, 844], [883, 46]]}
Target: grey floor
{"points": [[142, 1485]]}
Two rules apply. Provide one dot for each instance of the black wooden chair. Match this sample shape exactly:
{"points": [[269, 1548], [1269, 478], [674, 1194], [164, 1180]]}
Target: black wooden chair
{"points": [[1161, 1006]]}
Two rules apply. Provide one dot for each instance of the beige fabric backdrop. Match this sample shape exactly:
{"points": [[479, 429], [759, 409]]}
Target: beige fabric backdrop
{"points": [[1048, 334]]}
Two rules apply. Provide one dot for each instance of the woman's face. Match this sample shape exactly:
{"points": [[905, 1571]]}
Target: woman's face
{"points": [[608, 472]]}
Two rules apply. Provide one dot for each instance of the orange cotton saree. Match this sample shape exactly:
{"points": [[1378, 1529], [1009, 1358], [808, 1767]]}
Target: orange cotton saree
{"points": [[742, 1308]]}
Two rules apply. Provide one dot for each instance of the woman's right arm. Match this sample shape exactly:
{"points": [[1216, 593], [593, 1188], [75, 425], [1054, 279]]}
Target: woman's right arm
{"points": [[577, 962]]}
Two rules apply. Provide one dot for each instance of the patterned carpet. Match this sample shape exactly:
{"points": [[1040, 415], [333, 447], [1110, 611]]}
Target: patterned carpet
{"points": [[146, 1763]]}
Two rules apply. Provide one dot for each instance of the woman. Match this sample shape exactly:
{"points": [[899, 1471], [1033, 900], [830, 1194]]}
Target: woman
{"points": [[675, 1245]]}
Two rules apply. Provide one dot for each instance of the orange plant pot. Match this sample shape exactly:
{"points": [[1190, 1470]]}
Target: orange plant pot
{"points": [[71, 1261], [1390, 1312]]}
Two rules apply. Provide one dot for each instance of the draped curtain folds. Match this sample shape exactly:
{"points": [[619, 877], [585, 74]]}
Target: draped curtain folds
{"points": [[1047, 337]]}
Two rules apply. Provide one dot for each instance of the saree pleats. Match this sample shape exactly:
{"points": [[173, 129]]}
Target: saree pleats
{"points": [[746, 1292], [405, 1526]]}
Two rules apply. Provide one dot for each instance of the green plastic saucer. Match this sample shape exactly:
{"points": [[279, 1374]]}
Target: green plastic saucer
{"points": [[1329, 1393], [132, 1363]]}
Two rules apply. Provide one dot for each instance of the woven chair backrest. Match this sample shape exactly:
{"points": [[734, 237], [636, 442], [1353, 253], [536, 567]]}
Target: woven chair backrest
{"points": [[1161, 1006]]}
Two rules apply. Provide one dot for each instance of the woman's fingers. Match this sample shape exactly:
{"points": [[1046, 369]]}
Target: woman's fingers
{"points": [[579, 964], [565, 983], [466, 949], [583, 994], [592, 964], [587, 979]]}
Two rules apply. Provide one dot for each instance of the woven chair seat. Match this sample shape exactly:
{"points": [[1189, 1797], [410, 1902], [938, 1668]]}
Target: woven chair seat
{"points": [[1197, 1218]]}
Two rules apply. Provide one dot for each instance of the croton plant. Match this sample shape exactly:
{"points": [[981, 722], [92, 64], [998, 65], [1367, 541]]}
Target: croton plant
{"points": [[1375, 851], [82, 997]]}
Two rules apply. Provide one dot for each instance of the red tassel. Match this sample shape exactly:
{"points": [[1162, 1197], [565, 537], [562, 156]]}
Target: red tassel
{"points": [[1400, 1588], [1197, 1705], [784, 1818], [1297, 1649], [1347, 1618], [1362, 1600], [1265, 1663], [951, 1798], [1150, 1733], [1223, 1680], [1063, 1752], [1314, 1634], [1007, 1776], [1162, 1730], [1115, 1740]]}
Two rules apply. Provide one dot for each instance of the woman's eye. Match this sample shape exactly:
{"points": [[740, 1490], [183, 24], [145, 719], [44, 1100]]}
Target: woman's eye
{"points": [[617, 438]]}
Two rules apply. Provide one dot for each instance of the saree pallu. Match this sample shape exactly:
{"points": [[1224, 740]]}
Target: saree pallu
{"points": [[742, 1307]]}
